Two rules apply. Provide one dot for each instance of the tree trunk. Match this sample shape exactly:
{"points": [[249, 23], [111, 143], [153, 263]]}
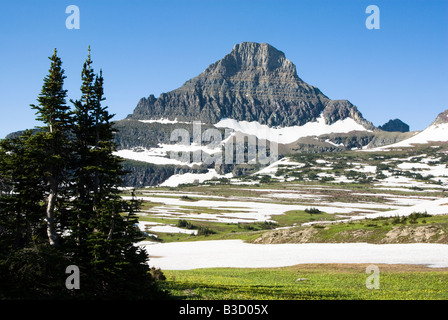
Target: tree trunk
{"points": [[51, 201]]}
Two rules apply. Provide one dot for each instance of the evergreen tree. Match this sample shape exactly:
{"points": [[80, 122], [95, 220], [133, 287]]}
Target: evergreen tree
{"points": [[29, 267], [105, 230], [22, 193], [60, 202], [33, 176], [54, 113], [82, 164]]}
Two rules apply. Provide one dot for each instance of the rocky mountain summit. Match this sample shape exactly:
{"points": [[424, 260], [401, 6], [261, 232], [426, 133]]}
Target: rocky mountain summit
{"points": [[254, 82]]}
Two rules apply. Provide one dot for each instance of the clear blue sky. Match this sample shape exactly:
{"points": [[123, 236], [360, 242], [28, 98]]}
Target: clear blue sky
{"points": [[150, 47]]}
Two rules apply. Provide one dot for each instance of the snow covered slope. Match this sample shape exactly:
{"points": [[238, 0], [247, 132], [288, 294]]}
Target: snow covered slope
{"points": [[162, 154], [291, 134], [436, 132]]}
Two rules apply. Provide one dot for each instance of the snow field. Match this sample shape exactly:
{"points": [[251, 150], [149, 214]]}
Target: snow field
{"points": [[250, 211], [238, 254]]}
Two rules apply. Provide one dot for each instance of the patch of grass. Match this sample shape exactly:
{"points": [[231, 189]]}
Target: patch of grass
{"points": [[298, 217], [210, 230], [353, 232], [323, 282], [147, 205]]}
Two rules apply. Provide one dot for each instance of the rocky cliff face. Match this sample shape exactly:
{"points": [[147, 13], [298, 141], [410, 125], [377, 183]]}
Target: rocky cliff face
{"points": [[254, 82], [146, 174]]}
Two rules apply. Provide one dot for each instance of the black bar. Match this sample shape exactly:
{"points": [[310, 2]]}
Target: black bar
{"points": [[223, 309]]}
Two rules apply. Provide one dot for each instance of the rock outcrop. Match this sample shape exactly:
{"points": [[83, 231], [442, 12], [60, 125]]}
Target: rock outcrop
{"points": [[442, 118], [395, 125]]}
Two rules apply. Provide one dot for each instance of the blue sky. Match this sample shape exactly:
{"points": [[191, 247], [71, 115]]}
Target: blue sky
{"points": [[150, 47]]}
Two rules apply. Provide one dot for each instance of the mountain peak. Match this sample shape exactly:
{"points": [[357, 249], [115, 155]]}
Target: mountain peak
{"points": [[252, 60], [253, 82], [252, 54]]}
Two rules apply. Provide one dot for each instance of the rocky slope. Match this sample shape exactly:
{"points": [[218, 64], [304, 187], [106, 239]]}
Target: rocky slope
{"points": [[254, 82], [398, 234]]}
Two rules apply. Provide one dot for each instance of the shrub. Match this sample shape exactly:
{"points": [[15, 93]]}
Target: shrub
{"points": [[398, 219], [382, 166], [34, 273], [265, 179], [187, 198], [312, 210], [381, 176], [157, 274], [371, 225], [205, 231], [412, 218], [313, 176], [185, 224], [415, 215], [265, 225], [326, 179]]}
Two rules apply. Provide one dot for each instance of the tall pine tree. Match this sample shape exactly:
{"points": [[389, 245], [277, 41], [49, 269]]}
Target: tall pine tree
{"points": [[104, 231], [55, 114], [33, 177]]}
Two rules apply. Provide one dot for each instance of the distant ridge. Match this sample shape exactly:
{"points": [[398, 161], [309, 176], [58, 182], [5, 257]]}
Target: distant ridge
{"points": [[395, 125]]}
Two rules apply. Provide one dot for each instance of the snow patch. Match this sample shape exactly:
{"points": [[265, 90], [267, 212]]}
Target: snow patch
{"points": [[273, 167], [164, 121], [435, 207], [291, 134], [177, 179], [161, 154]]}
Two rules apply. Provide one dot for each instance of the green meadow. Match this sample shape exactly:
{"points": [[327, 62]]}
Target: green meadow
{"points": [[308, 282]]}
